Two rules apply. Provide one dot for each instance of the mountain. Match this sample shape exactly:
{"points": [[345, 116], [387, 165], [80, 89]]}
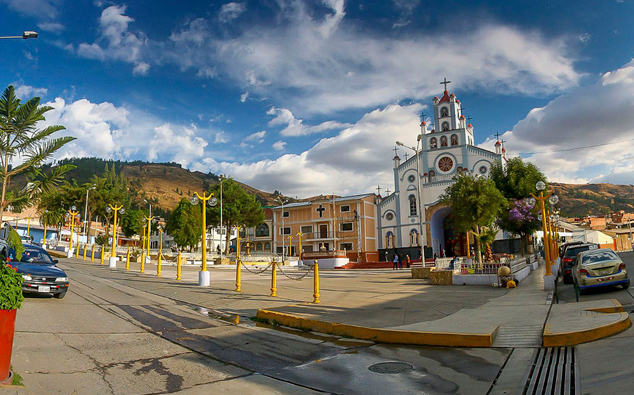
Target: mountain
{"points": [[578, 200], [164, 184]]}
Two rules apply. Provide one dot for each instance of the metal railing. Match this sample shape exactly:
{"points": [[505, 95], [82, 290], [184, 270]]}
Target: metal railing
{"points": [[468, 266]]}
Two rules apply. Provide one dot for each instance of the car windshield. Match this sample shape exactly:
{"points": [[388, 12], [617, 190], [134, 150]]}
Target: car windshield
{"points": [[31, 255], [599, 256], [573, 251]]}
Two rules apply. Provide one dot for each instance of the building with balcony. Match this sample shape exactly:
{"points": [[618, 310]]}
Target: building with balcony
{"points": [[327, 223]]}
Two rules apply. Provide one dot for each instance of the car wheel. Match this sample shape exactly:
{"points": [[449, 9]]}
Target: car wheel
{"points": [[60, 295], [626, 285]]}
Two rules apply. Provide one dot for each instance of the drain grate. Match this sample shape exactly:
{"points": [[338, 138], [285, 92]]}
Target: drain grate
{"points": [[553, 371], [390, 367]]}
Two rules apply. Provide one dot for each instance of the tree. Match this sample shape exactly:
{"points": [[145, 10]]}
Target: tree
{"points": [[21, 138], [475, 203], [239, 208], [132, 223], [517, 181], [52, 210], [185, 224]]}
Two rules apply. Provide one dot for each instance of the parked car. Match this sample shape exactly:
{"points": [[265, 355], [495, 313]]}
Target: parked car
{"points": [[38, 270], [599, 268], [569, 255], [563, 247]]}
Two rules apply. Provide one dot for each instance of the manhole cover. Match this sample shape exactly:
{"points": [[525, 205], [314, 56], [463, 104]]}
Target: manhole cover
{"points": [[390, 367]]}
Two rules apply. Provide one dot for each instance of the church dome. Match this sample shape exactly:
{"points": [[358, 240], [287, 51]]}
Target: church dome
{"points": [[445, 97]]}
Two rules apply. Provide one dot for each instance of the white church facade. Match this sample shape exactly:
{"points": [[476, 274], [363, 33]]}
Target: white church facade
{"points": [[444, 151]]}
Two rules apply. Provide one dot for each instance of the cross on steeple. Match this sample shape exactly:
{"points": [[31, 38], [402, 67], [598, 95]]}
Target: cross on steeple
{"points": [[320, 210], [378, 190], [387, 191], [422, 116], [497, 136], [445, 82], [406, 155], [461, 109], [395, 151], [469, 119]]}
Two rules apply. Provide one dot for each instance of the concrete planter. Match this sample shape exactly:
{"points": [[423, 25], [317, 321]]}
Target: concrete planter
{"points": [[7, 330]]}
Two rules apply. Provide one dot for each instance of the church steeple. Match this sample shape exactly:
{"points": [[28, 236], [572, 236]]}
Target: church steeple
{"points": [[447, 111]]}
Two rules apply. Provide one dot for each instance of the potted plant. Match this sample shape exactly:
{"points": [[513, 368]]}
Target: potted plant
{"points": [[10, 300]]}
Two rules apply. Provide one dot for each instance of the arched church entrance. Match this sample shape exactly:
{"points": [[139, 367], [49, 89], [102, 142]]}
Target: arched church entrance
{"points": [[443, 235]]}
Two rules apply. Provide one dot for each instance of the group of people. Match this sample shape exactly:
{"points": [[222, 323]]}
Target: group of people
{"points": [[397, 263]]}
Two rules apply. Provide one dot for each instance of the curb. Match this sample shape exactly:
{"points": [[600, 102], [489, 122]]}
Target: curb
{"points": [[443, 339], [561, 339]]}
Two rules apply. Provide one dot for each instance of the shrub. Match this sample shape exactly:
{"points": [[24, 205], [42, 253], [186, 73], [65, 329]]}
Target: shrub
{"points": [[10, 288]]}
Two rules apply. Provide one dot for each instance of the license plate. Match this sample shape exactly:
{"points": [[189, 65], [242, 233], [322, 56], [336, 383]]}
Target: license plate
{"points": [[42, 288], [604, 272]]}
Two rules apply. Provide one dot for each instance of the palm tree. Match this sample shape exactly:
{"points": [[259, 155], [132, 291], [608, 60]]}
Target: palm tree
{"points": [[22, 140]]}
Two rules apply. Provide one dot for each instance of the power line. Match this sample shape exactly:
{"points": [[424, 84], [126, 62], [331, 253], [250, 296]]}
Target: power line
{"points": [[576, 148]]}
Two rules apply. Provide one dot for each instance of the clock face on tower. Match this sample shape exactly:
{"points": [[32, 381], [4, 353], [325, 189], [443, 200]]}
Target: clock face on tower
{"points": [[445, 164]]}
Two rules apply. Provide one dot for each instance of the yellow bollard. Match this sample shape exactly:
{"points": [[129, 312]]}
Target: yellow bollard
{"points": [[77, 251], [143, 260], [102, 254], [316, 291], [92, 259], [85, 250], [158, 266], [127, 260], [274, 279], [178, 267], [236, 319], [238, 283]]}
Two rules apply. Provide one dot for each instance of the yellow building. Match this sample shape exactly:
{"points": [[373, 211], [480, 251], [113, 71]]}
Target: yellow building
{"points": [[328, 223]]}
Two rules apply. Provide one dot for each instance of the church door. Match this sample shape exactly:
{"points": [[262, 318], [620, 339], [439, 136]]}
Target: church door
{"points": [[323, 231], [454, 241]]}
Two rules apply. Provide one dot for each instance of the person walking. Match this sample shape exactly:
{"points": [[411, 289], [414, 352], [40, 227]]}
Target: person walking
{"points": [[400, 263], [407, 261], [395, 262]]}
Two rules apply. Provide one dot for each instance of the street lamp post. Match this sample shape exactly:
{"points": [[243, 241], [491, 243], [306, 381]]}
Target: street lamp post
{"points": [[282, 200], [86, 211], [149, 219], [421, 206], [113, 257], [72, 213], [549, 278], [27, 34], [203, 275]]}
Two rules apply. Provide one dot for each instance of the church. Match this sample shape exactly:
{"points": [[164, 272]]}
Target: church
{"points": [[441, 153]]}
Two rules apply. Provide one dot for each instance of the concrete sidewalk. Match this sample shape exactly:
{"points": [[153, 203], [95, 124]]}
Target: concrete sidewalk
{"points": [[385, 306]]}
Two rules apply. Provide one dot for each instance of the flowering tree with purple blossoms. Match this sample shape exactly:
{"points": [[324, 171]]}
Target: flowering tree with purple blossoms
{"points": [[520, 220]]}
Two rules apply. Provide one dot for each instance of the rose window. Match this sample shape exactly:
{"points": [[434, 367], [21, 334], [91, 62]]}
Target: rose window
{"points": [[445, 164]]}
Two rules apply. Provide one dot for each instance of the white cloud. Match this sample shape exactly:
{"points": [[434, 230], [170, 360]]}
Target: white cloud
{"points": [[296, 127], [585, 37], [353, 161], [257, 136], [52, 27], [41, 9], [26, 92], [324, 64], [181, 144], [231, 11], [279, 145], [243, 97], [221, 138], [116, 41], [598, 116]]}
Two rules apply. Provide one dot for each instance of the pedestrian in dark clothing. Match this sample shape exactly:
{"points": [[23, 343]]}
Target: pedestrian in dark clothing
{"points": [[400, 263], [407, 261], [395, 262]]}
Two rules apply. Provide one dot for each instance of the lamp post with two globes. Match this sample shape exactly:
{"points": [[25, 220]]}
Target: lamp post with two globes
{"points": [[117, 209], [203, 275], [549, 278]]}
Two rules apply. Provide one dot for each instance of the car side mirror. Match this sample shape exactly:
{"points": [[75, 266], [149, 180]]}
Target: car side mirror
{"points": [[55, 261]]}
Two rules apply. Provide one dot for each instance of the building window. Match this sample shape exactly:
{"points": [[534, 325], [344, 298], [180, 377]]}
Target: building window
{"points": [[285, 231], [389, 216], [445, 126], [433, 143], [267, 246], [258, 247], [483, 170], [445, 164], [432, 173], [412, 205], [262, 230], [444, 112], [345, 227], [344, 209], [389, 240], [286, 214], [443, 141], [411, 178], [279, 250], [345, 246], [307, 229], [454, 139]]}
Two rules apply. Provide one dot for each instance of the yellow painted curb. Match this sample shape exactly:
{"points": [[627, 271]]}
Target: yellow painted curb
{"points": [[617, 308], [381, 335], [561, 339]]}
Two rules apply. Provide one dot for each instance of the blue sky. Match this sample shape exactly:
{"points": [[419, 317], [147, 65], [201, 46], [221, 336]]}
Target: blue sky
{"points": [[308, 97]]}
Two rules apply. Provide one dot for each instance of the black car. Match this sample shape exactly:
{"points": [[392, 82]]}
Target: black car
{"points": [[39, 271], [569, 255]]}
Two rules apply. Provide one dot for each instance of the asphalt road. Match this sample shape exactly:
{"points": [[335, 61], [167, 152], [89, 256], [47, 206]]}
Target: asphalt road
{"points": [[607, 365]]}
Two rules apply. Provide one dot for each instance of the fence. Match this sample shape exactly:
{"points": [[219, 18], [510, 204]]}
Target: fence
{"points": [[463, 265]]}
